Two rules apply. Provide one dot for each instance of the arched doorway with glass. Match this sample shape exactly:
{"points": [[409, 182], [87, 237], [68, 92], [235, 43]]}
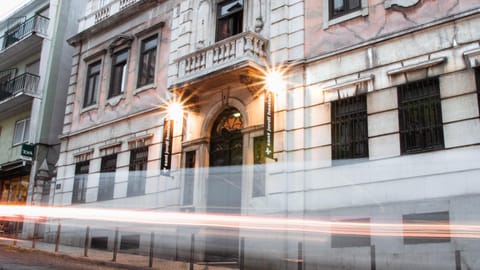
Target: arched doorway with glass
{"points": [[224, 185]]}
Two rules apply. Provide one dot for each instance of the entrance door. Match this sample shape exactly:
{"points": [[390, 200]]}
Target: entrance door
{"points": [[224, 186]]}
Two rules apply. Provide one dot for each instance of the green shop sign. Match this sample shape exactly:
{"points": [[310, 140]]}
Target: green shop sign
{"points": [[27, 150]]}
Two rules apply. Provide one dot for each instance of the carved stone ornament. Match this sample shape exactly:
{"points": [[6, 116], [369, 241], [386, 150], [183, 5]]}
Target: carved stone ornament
{"points": [[400, 3]]}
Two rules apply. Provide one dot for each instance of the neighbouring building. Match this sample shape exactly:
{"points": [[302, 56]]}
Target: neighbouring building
{"points": [[377, 123], [34, 74]]}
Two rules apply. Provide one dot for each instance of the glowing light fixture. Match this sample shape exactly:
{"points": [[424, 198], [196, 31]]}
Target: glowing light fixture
{"points": [[274, 81], [175, 111]]}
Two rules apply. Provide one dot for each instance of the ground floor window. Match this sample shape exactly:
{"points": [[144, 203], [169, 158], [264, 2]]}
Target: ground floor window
{"points": [[80, 182], [137, 171], [418, 228], [107, 177]]}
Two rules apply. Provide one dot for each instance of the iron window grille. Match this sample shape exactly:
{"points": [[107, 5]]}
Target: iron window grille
{"points": [[259, 144], [148, 55], [107, 177], [418, 228], [188, 187], [137, 171], [350, 128], [119, 73], [420, 116], [80, 182], [229, 19], [338, 8], [93, 82]]}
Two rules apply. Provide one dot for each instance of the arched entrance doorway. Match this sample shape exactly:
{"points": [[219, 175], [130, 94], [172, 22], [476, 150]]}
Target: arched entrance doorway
{"points": [[224, 186]]}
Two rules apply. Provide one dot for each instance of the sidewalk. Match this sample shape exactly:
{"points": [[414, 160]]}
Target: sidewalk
{"points": [[102, 257]]}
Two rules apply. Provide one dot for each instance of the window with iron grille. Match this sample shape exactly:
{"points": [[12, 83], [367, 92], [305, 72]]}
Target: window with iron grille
{"points": [[339, 8], [188, 186], [351, 233], [137, 171], [93, 82], [118, 73], [426, 228], [420, 116], [148, 55], [107, 177], [349, 128], [258, 166], [229, 19], [80, 182]]}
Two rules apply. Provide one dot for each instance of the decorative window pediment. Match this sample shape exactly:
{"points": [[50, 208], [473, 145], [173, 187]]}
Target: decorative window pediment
{"points": [[349, 88]]}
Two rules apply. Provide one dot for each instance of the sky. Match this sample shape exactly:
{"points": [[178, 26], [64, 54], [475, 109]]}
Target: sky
{"points": [[7, 6]]}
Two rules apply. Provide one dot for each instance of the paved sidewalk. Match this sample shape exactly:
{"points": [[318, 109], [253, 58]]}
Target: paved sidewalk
{"points": [[101, 257]]}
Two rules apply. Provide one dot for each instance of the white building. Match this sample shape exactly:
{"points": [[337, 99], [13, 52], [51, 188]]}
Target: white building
{"points": [[378, 123]]}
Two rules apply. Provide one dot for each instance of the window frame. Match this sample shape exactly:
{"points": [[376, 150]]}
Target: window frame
{"points": [[136, 176], [237, 15], [90, 97], [189, 178], [346, 3], [327, 21], [142, 53], [106, 183], [406, 109], [259, 160], [25, 132], [80, 179], [348, 121], [112, 91]]}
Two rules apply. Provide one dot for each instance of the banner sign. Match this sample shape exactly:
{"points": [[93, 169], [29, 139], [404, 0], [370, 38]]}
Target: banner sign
{"points": [[166, 158], [268, 123]]}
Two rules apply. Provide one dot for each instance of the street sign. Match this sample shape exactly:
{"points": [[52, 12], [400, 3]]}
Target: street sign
{"points": [[27, 150], [269, 123], [167, 137]]}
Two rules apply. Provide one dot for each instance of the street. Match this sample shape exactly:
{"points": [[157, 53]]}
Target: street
{"points": [[23, 259]]}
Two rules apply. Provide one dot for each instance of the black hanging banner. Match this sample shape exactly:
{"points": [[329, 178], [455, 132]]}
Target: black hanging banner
{"points": [[268, 123], [166, 158]]}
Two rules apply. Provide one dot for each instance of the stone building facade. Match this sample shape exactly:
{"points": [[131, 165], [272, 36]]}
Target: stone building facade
{"points": [[377, 123]]}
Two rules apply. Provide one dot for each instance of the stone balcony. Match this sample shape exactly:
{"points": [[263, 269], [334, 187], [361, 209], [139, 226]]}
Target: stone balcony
{"points": [[245, 50]]}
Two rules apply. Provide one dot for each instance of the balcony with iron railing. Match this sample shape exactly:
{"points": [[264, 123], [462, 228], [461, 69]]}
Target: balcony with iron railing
{"points": [[239, 51], [17, 91], [22, 40]]}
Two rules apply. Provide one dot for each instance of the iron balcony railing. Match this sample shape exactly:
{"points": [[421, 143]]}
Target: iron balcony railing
{"points": [[26, 83], [35, 24]]}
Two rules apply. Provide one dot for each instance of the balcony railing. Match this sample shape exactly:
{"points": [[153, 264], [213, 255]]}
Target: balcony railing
{"points": [[26, 83], [35, 24], [111, 8], [235, 49]]}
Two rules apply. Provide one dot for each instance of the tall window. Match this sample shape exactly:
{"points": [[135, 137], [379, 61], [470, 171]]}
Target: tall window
{"points": [[349, 128], [119, 73], [426, 228], [339, 8], [420, 116], [93, 82], [188, 186], [138, 171], [258, 166], [477, 79], [107, 177], [22, 131], [229, 19], [351, 233], [148, 55], [80, 182]]}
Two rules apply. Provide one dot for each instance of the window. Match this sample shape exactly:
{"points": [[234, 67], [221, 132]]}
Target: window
{"points": [[426, 228], [339, 8], [351, 233], [107, 177], [229, 19], [138, 171], [420, 116], [119, 73], [22, 131], [148, 55], [80, 182], [477, 78], [258, 166], [349, 128], [93, 82], [188, 187]]}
